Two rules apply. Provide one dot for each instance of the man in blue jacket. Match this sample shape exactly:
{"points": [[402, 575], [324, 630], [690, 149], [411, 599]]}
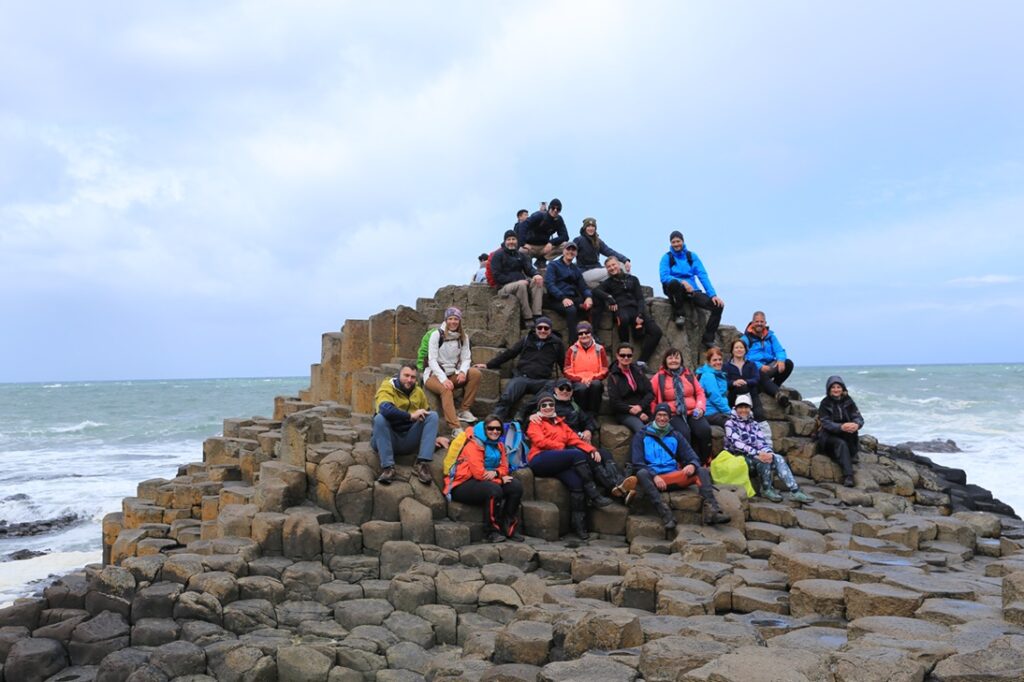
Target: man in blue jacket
{"points": [[767, 353], [568, 293], [535, 233], [680, 269]]}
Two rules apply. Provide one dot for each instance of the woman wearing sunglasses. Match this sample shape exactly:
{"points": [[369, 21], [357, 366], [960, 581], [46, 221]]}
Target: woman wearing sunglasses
{"points": [[481, 476], [556, 451]]}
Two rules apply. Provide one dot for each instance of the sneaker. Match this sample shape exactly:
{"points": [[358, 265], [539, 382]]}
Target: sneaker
{"points": [[771, 494], [386, 476], [422, 471], [626, 489], [495, 537], [467, 416], [801, 497], [679, 321]]}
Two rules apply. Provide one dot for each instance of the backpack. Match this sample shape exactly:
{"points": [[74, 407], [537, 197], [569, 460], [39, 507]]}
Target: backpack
{"points": [[424, 350], [515, 445], [491, 282], [729, 469], [515, 452], [451, 459], [672, 259]]}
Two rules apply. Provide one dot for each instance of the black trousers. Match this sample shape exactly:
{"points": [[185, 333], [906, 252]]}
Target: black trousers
{"points": [[842, 448], [499, 500], [679, 296], [573, 314], [589, 397], [698, 432], [514, 391], [648, 335], [772, 378]]}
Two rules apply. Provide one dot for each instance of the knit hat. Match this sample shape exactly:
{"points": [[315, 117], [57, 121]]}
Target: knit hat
{"points": [[744, 400], [555, 203], [543, 319], [509, 233], [589, 221], [452, 312], [545, 395], [675, 233], [584, 326], [662, 407]]}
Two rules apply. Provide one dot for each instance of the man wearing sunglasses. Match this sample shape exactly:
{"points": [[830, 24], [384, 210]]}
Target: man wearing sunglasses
{"points": [[539, 353]]}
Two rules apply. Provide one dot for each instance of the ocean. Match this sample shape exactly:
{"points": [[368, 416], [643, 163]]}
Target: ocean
{"points": [[78, 448]]}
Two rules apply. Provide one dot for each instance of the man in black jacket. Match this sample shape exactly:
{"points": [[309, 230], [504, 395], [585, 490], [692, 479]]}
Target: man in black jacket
{"points": [[539, 352], [515, 276], [629, 391], [535, 233], [622, 295]]}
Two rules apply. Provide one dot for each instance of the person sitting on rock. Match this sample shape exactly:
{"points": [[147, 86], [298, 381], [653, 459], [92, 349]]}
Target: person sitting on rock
{"points": [[586, 365], [769, 356], [840, 421], [539, 352], [590, 248], [556, 451], [567, 293], [716, 387], [481, 272], [403, 424], [743, 377], [481, 476], [678, 386], [514, 275], [448, 367], [629, 391], [680, 269], [743, 436], [621, 294], [663, 460], [535, 233]]}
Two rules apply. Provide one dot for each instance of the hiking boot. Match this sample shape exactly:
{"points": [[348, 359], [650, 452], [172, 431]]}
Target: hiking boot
{"points": [[578, 515], [510, 527], [422, 471], [386, 476], [467, 416], [495, 537], [595, 496], [848, 481], [665, 512], [783, 400], [801, 497], [771, 494], [679, 321], [626, 489], [712, 514]]}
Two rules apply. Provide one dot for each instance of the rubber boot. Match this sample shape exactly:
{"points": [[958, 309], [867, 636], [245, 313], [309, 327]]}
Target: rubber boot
{"points": [[578, 515], [589, 487]]}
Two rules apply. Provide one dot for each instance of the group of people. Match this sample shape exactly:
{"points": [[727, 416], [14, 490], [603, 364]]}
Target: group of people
{"points": [[670, 413]]}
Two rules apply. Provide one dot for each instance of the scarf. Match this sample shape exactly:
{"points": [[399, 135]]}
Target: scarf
{"points": [[677, 386], [660, 432]]}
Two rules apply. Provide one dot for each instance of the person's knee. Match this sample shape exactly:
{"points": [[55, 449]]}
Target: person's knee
{"points": [[514, 487]]}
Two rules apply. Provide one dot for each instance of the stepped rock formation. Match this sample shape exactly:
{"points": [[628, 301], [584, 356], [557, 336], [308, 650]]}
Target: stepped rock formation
{"points": [[279, 557]]}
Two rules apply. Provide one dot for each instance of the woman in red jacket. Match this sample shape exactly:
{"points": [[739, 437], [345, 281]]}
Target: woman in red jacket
{"points": [[556, 451], [481, 476], [679, 387]]}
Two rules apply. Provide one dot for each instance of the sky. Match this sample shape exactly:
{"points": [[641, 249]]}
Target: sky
{"points": [[192, 189]]}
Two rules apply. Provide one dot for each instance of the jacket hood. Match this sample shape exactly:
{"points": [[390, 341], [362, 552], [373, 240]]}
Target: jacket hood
{"points": [[736, 415], [750, 330], [834, 379], [708, 369], [479, 433], [398, 386]]}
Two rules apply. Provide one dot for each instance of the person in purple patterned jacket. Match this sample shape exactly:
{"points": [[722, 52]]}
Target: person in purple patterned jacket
{"points": [[743, 436]]}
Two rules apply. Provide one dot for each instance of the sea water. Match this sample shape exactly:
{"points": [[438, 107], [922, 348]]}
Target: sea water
{"points": [[80, 447]]}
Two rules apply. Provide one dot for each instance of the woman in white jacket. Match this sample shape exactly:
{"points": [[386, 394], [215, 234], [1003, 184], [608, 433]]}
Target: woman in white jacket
{"points": [[449, 366]]}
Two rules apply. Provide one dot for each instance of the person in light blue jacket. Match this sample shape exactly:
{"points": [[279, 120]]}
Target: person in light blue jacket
{"points": [[770, 357], [680, 269], [716, 387]]}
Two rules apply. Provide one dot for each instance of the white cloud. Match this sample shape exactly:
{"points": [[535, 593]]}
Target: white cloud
{"points": [[983, 280]]}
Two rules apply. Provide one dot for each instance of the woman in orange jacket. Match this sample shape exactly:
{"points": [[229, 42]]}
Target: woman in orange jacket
{"points": [[556, 451], [481, 476], [677, 386]]}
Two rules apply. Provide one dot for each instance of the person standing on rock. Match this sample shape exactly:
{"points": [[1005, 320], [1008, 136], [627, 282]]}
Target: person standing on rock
{"points": [[840, 422], [622, 295], [769, 356], [590, 248], [586, 365], [448, 367], [481, 476], [744, 436], [515, 276], [539, 353], [680, 269], [664, 460], [677, 386], [535, 233], [556, 451], [403, 424], [567, 293], [629, 391]]}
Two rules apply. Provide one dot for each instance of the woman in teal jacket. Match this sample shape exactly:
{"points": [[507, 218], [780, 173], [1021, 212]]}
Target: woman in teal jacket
{"points": [[716, 387]]}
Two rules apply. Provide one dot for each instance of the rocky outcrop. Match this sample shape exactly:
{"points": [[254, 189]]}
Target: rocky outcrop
{"points": [[279, 557]]}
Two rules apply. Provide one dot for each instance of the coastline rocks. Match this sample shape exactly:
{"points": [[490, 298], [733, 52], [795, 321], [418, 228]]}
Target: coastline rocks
{"points": [[935, 445]]}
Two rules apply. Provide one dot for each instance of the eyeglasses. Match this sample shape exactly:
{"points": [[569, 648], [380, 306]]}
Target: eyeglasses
{"points": [[625, 355], [542, 328], [493, 428], [546, 405], [563, 388], [583, 333]]}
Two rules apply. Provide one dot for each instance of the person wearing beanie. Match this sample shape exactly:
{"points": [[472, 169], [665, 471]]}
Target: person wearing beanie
{"points": [[539, 353], [449, 367], [567, 292], [841, 423], [481, 274], [543, 234], [586, 366], [556, 451], [663, 460], [514, 275], [744, 436], [590, 247], [680, 269], [622, 295]]}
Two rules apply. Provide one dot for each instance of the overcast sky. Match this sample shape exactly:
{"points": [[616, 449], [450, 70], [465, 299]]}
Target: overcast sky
{"points": [[193, 189]]}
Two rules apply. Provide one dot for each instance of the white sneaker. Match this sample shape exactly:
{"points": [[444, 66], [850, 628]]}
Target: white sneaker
{"points": [[467, 416]]}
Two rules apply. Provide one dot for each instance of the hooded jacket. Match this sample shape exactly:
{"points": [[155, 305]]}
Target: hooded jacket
{"points": [[646, 453], [538, 228], [396, 404], [510, 266], [471, 461], [554, 434], [744, 436], [586, 363], [664, 392], [536, 357], [675, 265], [834, 412], [716, 389], [622, 290], [589, 254], [764, 349], [565, 280], [622, 396]]}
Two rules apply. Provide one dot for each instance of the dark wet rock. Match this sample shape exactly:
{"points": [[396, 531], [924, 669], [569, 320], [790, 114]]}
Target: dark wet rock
{"points": [[40, 527], [96, 638], [154, 631], [934, 445], [120, 664], [22, 554], [179, 658], [34, 660]]}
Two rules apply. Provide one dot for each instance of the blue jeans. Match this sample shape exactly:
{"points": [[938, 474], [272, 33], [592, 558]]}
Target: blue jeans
{"points": [[419, 438]]}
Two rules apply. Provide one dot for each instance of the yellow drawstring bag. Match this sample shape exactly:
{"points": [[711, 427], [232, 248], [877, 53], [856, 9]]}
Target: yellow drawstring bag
{"points": [[729, 469]]}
